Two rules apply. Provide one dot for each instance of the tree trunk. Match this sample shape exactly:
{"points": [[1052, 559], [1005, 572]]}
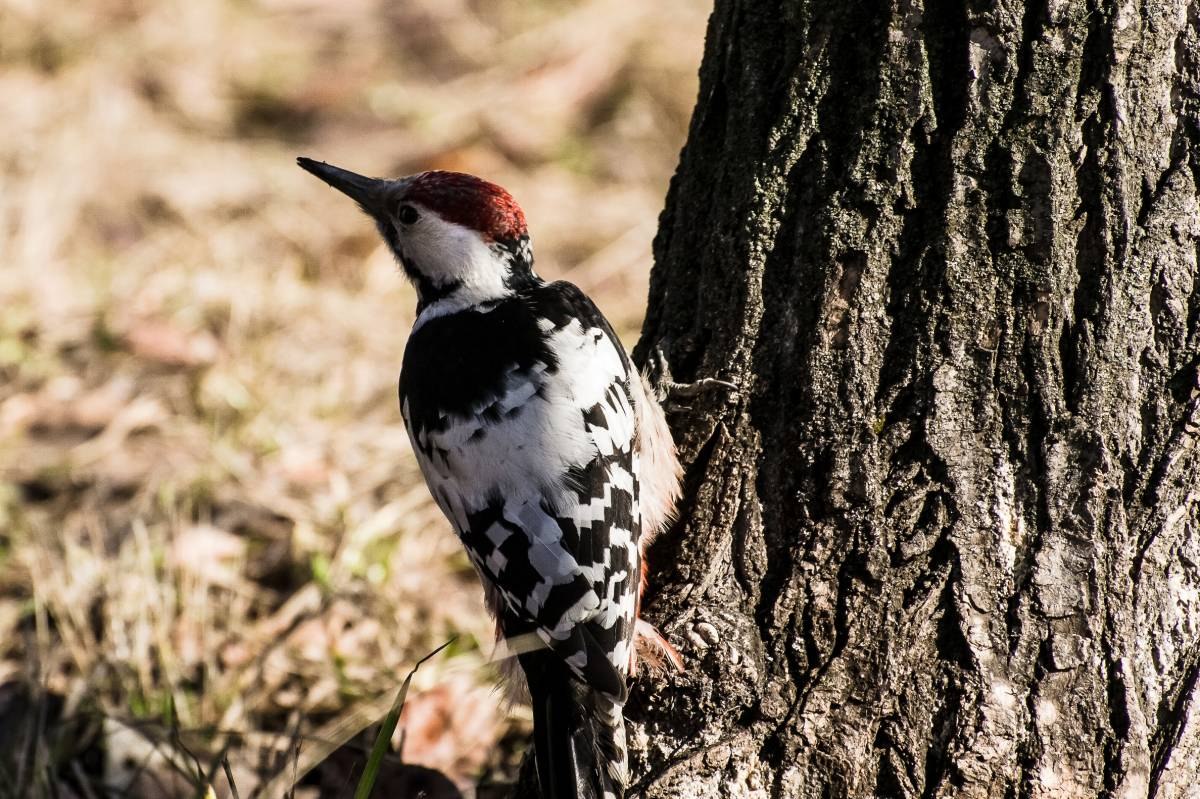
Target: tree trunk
{"points": [[944, 541]]}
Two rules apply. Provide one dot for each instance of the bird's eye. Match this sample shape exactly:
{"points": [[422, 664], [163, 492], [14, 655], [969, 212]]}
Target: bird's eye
{"points": [[408, 214]]}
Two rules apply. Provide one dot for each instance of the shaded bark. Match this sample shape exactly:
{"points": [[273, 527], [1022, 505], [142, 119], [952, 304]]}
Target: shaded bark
{"points": [[945, 539]]}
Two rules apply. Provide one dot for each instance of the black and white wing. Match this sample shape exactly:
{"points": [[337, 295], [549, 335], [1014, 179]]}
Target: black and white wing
{"points": [[523, 423]]}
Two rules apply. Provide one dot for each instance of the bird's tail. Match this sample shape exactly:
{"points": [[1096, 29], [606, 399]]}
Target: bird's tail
{"points": [[578, 733]]}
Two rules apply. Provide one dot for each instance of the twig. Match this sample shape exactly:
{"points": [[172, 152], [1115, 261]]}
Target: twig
{"points": [[229, 776]]}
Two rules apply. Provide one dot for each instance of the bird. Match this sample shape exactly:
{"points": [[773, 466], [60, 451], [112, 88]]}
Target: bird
{"points": [[545, 448]]}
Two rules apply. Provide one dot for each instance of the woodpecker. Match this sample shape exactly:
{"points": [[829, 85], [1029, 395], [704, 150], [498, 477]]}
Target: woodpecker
{"points": [[547, 451]]}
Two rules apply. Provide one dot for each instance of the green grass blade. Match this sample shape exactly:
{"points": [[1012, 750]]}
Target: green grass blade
{"points": [[366, 782]]}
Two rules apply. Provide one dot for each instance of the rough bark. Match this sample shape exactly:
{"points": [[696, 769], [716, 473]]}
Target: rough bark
{"points": [[945, 539]]}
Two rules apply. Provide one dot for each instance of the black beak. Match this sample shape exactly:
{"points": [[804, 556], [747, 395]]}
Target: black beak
{"points": [[367, 192]]}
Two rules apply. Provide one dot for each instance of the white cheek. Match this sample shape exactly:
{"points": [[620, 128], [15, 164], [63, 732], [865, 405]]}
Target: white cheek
{"points": [[448, 252]]}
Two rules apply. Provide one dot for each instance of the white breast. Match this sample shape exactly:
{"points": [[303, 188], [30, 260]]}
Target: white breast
{"points": [[539, 435]]}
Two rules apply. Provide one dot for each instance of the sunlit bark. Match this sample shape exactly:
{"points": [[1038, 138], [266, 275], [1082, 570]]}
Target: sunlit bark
{"points": [[945, 539]]}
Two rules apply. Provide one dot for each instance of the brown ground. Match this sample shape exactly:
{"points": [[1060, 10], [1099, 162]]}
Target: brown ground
{"points": [[209, 516]]}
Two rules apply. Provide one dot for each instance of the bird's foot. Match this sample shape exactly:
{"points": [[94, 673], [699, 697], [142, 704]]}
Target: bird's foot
{"points": [[651, 648], [669, 392]]}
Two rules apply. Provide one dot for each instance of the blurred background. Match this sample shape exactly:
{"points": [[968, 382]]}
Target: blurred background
{"points": [[213, 536]]}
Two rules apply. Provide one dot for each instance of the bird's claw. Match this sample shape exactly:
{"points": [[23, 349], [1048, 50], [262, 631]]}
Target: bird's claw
{"points": [[668, 391], [694, 389]]}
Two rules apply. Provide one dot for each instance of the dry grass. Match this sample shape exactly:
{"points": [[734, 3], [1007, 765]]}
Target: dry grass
{"points": [[210, 520]]}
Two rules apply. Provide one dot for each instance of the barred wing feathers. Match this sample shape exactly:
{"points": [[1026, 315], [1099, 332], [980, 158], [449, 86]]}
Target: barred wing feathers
{"points": [[523, 421]]}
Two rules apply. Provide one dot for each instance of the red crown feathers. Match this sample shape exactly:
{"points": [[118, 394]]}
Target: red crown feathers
{"points": [[469, 201]]}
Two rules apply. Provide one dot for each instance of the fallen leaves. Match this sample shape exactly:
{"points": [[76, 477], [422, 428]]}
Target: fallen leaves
{"points": [[209, 554], [165, 343], [63, 403], [450, 726]]}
